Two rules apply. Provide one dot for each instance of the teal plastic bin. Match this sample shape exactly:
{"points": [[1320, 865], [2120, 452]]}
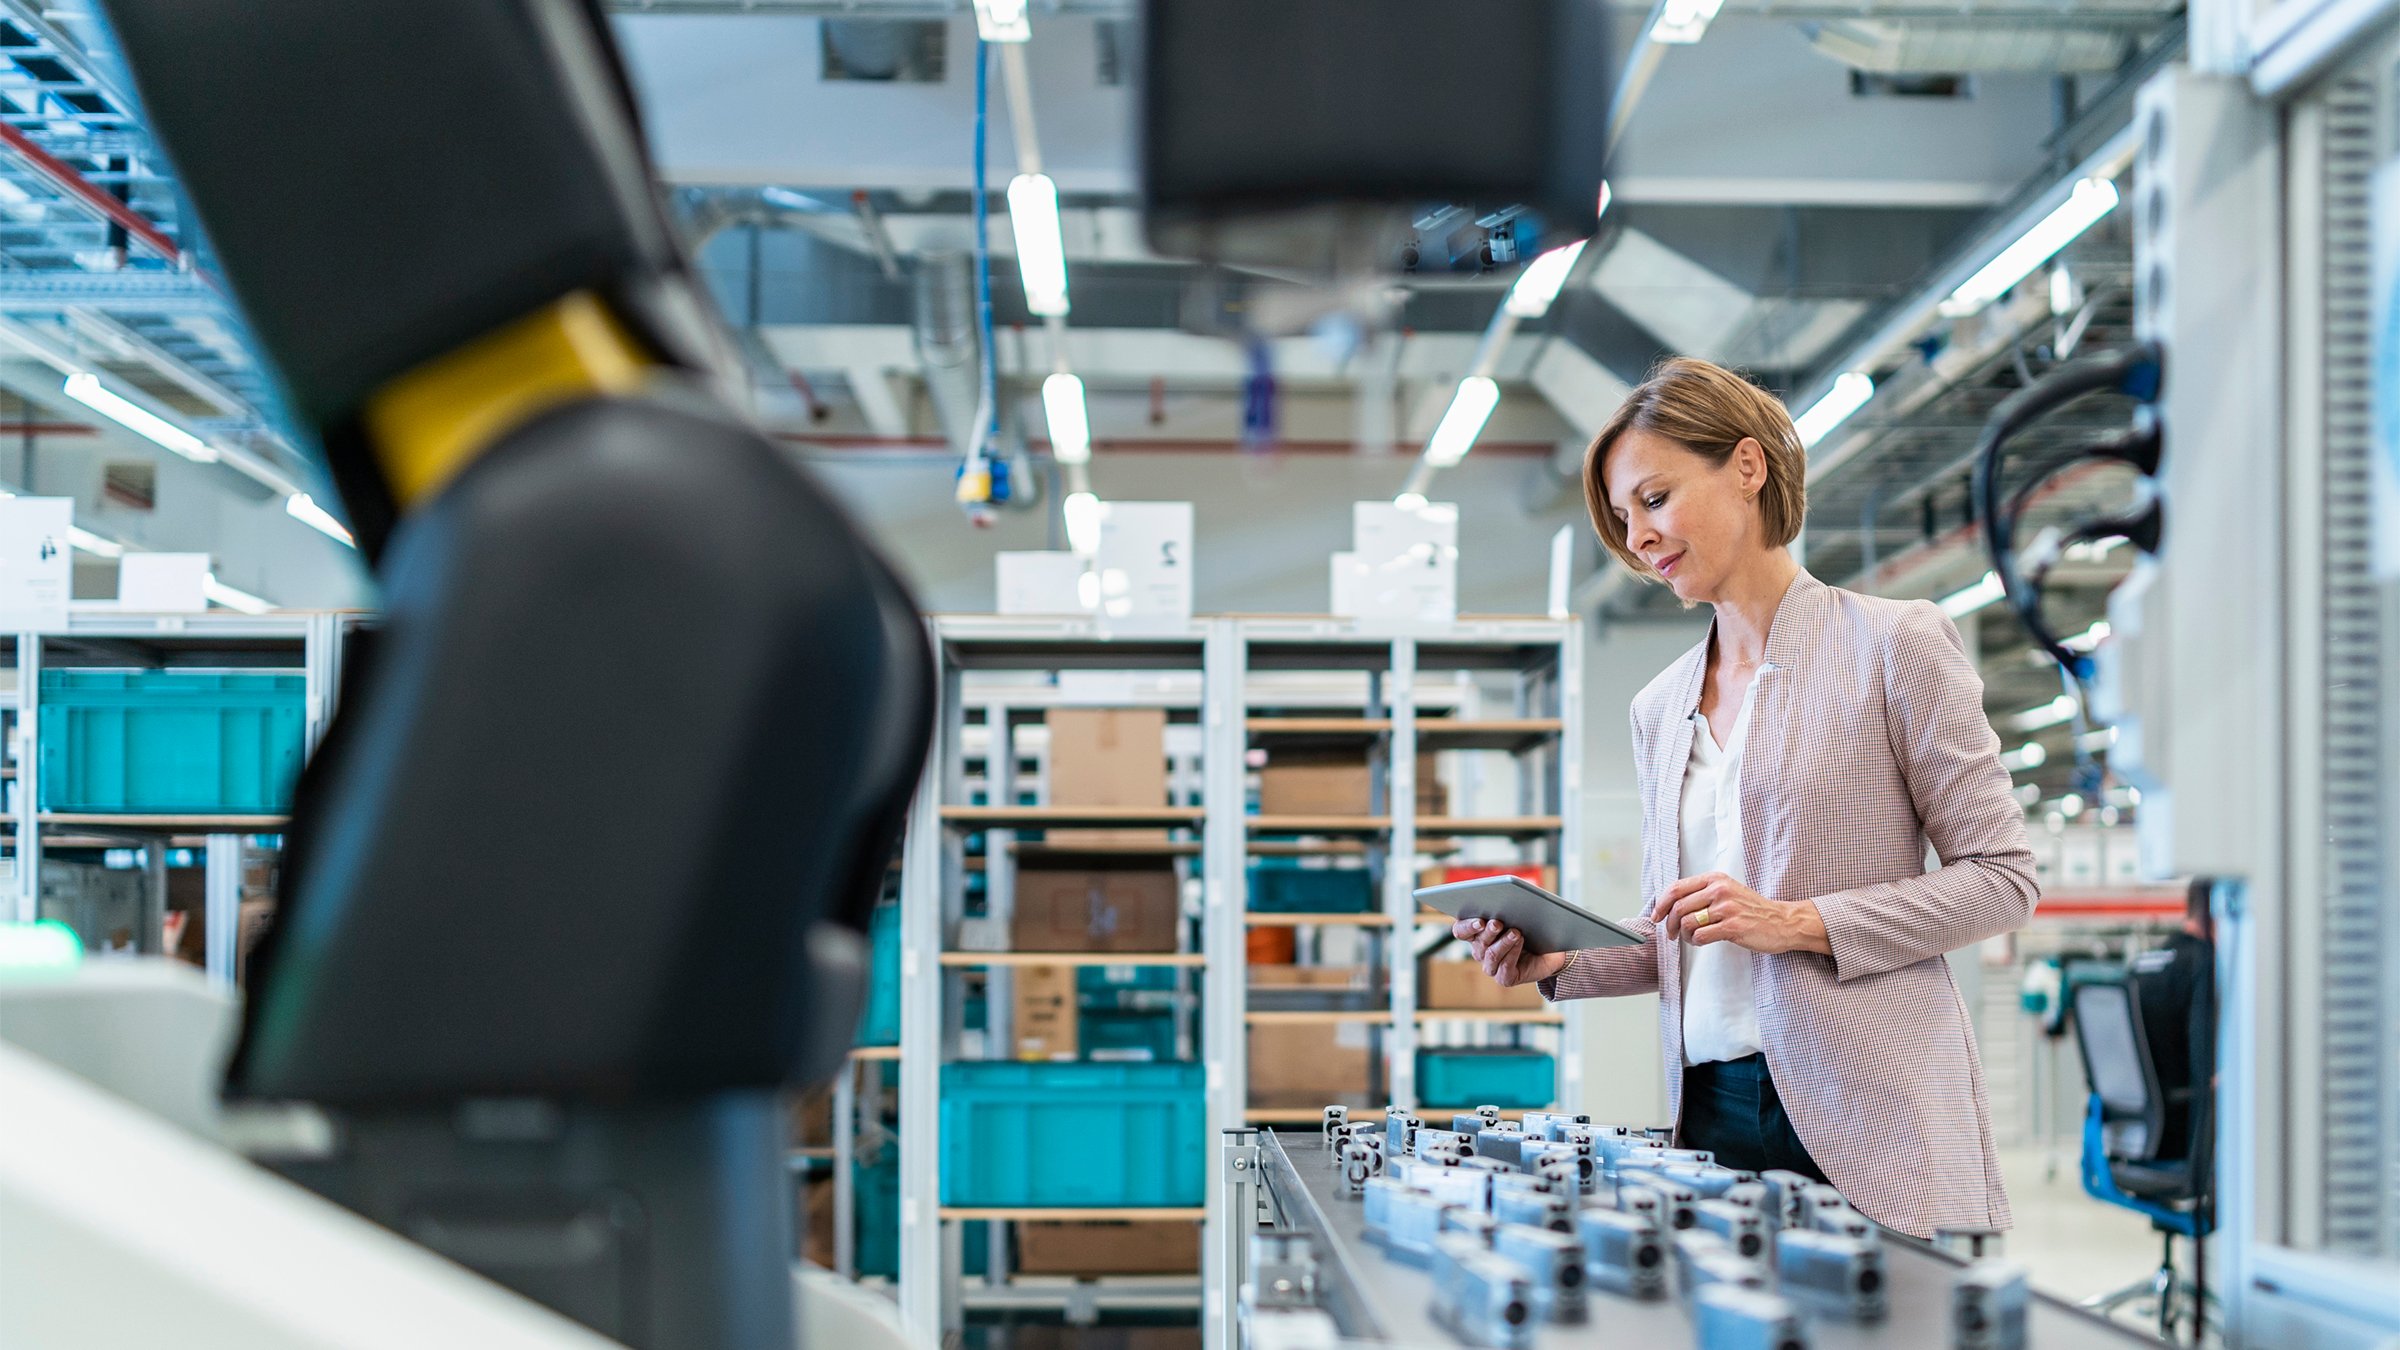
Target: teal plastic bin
{"points": [[1127, 1034], [1487, 1077], [881, 1024], [1073, 1134], [1104, 982], [171, 742], [1282, 888], [876, 1194]]}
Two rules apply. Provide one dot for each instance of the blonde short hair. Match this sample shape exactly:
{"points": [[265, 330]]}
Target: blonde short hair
{"points": [[1707, 410]]}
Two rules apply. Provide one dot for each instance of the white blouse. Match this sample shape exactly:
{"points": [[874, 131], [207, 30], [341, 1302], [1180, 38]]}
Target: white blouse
{"points": [[1720, 1016]]}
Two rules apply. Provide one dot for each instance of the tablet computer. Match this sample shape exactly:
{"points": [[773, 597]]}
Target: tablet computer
{"points": [[1548, 923]]}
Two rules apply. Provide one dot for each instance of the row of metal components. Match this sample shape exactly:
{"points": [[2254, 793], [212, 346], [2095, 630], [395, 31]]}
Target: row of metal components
{"points": [[1516, 1221]]}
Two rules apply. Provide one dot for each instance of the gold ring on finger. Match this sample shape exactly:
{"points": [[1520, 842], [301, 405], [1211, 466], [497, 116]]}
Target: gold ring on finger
{"points": [[1700, 917]]}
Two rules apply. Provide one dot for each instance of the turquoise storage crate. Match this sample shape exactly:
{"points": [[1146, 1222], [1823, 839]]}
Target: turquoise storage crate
{"points": [[171, 742], [1487, 1077], [1073, 1134], [1126, 1034], [881, 1023], [1281, 888], [875, 1196], [1104, 982]]}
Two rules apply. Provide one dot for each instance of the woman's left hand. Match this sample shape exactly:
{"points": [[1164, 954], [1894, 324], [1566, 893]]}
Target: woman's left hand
{"points": [[1713, 907]]}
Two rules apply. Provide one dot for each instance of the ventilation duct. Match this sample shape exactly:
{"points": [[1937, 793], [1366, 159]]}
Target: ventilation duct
{"points": [[949, 342], [1890, 47]]}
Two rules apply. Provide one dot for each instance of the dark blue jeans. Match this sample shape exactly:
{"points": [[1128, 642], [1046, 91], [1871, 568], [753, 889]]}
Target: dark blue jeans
{"points": [[1730, 1109]]}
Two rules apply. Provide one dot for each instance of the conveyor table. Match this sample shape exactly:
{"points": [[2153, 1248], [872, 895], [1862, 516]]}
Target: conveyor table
{"points": [[1372, 1298]]}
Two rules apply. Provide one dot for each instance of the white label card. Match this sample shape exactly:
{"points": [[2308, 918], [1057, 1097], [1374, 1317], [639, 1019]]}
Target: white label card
{"points": [[37, 563], [1408, 562], [1040, 583], [163, 583], [1144, 563]]}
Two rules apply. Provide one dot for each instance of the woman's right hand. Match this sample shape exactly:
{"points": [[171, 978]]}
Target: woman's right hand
{"points": [[1500, 949]]}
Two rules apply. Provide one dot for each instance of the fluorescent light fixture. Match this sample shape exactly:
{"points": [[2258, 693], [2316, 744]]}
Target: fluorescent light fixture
{"points": [[2096, 741], [1410, 501], [85, 388], [1966, 600], [1684, 21], [96, 545], [2030, 755], [1041, 250], [1607, 195], [2094, 550], [231, 597], [303, 508], [2071, 805], [2057, 710], [1850, 392], [2087, 639], [2062, 291], [1470, 408], [1538, 285], [1082, 511], [2083, 208], [1002, 21], [1070, 424]]}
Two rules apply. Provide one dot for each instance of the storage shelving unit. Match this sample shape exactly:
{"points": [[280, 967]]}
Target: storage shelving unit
{"points": [[308, 641], [1504, 685], [1536, 666], [996, 675]]}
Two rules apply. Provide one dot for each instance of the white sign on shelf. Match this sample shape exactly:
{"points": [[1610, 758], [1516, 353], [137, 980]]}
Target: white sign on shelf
{"points": [[163, 583], [1040, 583], [37, 563], [1408, 562], [1144, 563], [1562, 568], [1349, 583]]}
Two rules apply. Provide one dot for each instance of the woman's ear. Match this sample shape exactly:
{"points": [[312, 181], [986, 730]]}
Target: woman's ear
{"points": [[1750, 466]]}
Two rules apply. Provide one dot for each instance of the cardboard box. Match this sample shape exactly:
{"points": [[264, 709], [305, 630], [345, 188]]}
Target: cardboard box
{"points": [[1107, 757], [1110, 909], [1308, 977], [1303, 1065], [811, 1118], [1044, 1012], [816, 1207], [1315, 783], [1461, 985], [1164, 1247]]}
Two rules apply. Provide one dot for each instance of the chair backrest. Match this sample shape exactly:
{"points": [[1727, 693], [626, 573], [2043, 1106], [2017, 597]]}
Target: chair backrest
{"points": [[2118, 1066]]}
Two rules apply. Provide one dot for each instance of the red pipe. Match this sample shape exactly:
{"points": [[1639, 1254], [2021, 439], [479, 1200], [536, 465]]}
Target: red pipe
{"points": [[83, 189]]}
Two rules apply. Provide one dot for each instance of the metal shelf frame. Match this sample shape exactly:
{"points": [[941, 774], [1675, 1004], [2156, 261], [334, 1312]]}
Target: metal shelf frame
{"points": [[1542, 731], [310, 639]]}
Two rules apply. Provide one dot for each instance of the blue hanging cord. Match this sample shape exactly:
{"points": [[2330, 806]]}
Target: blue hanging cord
{"points": [[983, 245]]}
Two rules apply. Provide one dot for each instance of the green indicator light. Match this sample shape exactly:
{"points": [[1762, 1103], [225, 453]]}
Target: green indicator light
{"points": [[44, 945]]}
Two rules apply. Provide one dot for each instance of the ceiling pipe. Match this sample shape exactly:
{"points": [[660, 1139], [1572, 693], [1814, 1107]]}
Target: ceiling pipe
{"points": [[67, 179]]}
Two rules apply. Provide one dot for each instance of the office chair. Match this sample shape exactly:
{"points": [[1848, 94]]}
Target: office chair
{"points": [[2126, 1129]]}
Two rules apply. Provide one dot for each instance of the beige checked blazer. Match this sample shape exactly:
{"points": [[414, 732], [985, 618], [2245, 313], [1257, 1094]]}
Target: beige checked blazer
{"points": [[1868, 742]]}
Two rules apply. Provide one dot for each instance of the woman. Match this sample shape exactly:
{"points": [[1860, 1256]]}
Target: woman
{"points": [[1793, 769]]}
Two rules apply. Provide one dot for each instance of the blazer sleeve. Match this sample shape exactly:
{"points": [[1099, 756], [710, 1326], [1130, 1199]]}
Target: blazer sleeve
{"points": [[1950, 760], [1610, 972]]}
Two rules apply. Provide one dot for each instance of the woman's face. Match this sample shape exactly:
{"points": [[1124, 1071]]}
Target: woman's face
{"points": [[1694, 523]]}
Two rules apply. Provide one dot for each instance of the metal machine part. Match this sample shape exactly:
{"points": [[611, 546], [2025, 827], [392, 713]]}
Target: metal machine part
{"points": [[1423, 1141], [1725, 1317], [1755, 1195], [1645, 1204], [1359, 1164], [1844, 1222], [1399, 1132], [1552, 1125], [1480, 1298], [1988, 1307], [1703, 1269], [1568, 1173], [1375, 1200], [1840, 1274], [1698, 1157], [1553, 1261], [1283, 1270], [1335, 1116], [1784, 1190], [1622, 1252], [1743, 1228], [1709, 1180], [1523, 1204], [1502, 1143], [1470, 1223], [1468, 1187], [1675, 1199], [1411, 1222]]}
